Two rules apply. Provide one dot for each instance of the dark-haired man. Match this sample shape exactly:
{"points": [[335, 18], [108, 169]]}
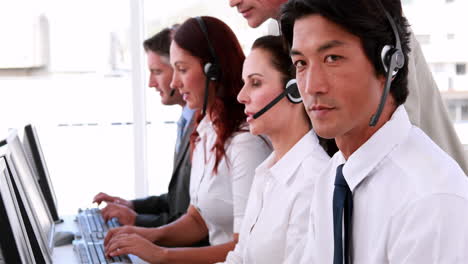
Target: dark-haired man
{"points": [[155, 211], [424, 105], [390, 195]]}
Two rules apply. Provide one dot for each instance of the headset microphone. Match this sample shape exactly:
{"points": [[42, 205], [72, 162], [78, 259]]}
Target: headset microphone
{"points": [[291, 92], [392, 60]]}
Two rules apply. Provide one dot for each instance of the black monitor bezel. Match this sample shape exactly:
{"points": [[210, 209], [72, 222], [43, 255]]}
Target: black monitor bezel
{"points": [[41, 242], [13, 242], [36, 157]]}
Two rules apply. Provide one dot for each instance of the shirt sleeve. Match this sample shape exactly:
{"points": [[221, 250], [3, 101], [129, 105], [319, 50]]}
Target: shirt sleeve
{"points": [[432, 230], [246, 153], [151, 205]]}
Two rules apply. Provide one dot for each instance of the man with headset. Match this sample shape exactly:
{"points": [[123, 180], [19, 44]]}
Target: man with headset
{"points": [[155, 211], [424, 105], [390, 195]]}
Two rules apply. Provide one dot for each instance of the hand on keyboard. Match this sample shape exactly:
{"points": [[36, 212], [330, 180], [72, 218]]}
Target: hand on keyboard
{"points": [[147, 233], [136, 245], [89, 243], [104, 197], [125, 215]]}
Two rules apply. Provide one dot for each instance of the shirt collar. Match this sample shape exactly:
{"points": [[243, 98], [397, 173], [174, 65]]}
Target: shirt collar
{"points": [[285, 168], [376, 148]]}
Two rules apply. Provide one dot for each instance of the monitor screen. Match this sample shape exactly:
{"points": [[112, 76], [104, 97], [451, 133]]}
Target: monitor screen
{"points": [[29, 196], [14, 245], [33, 150]]}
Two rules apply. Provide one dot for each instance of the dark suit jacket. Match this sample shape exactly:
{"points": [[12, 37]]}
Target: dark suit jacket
{"points": [[155, 211]]}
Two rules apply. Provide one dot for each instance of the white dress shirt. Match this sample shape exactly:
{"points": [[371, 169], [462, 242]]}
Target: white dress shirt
{"points": [[277, 213], [221, 198], [410, 201]]}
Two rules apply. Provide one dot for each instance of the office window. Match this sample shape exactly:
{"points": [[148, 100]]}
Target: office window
{"points": [[69, 75], [464, 111], [424, 39], [452, 109], [438, 67], [460, 68]]}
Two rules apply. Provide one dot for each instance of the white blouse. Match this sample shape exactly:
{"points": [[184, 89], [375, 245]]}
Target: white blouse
{"points": [[221, 198], [277, 213]]}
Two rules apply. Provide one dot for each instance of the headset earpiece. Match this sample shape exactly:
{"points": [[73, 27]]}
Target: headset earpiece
{"points": [[207, 68], [388, 54], [292, 92], [211, 71]]}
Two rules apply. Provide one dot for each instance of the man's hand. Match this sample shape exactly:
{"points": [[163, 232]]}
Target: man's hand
{"points": [[125, 215], [104, 197]]}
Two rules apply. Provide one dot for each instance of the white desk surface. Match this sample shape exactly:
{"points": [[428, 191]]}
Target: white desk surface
{"points": [[65, 254]]}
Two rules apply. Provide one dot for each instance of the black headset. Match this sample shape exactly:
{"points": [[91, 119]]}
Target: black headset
{"points": [[291, 92], [172, 30], [392, 60], [211, 69]]}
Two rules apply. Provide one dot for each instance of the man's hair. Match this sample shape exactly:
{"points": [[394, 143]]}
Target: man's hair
{"points": [[365, 19], [161, 42]]}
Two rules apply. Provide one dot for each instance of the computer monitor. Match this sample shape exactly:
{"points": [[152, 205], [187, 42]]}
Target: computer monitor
{"points": [[36, 216], [33, 150], [14, 243]]}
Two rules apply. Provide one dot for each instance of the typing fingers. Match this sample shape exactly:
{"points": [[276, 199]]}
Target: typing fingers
{"points": [[102, 197], [106, 212], [110, 211], [110, 234], [120, 244]]}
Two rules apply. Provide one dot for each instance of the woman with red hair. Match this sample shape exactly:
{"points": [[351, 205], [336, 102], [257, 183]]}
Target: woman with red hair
{"points": [[207, 61]]}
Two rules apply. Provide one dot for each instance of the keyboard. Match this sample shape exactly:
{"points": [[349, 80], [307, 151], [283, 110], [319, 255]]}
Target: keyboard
{"points": [[91, 224], [89, 243], [93, 253]]}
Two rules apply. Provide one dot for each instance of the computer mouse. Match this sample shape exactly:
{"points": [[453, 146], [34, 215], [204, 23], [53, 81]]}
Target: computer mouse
{"points": [[63, 238]]}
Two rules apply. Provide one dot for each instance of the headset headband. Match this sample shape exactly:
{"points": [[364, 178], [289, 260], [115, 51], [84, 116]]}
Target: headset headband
{"points": [[204, 29]]}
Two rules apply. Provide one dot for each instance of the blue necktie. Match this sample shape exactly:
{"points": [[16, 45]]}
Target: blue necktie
{"points": [[180, 131], [342, 206]]}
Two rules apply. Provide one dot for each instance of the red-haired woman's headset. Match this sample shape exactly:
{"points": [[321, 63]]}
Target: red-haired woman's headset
{"points": [[211, 69]]}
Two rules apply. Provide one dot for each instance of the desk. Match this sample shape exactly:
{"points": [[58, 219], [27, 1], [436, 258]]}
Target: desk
{"points": [[65, 254]]}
